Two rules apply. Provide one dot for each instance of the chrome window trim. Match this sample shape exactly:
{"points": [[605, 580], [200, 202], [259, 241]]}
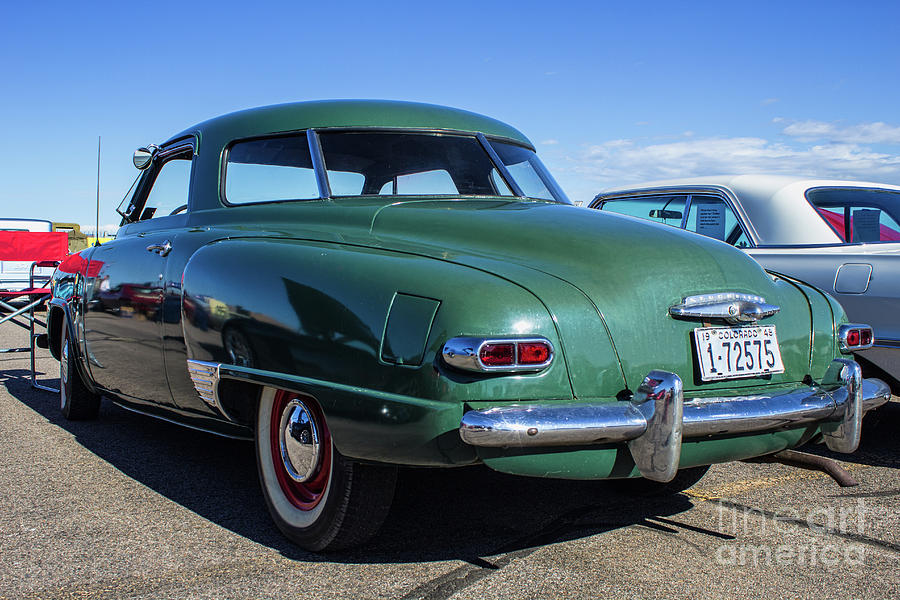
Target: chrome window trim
{"points": [[223, 169], [419, 130], [463, 352], [318, 163], [687, 212], [501, 167], [177, 149], [741, 219], [691, 190], [148, 176]]}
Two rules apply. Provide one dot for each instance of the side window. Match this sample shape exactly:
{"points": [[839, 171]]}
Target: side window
{"points": [[665, 209], [169, 194], [270, 170], [346, 183], [711, 216], [499, 185], [859, 215]]}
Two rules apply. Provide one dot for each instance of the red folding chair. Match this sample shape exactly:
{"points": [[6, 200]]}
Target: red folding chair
{"points": [[42, 249]]}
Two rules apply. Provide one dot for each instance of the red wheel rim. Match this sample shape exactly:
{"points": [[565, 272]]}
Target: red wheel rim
{"points": [[308, 494]]}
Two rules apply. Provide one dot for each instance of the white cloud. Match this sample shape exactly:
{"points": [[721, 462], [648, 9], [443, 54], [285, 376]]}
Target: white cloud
{"points": [[550, 142], [862, 133], [626, 161], [768, 101]]}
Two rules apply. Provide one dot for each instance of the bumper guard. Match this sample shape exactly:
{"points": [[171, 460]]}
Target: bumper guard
{"points": [[657, 418]]}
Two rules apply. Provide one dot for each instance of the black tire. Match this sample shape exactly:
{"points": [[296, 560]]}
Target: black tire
{"points": [[76, 401], [684, 479], [340, 503]]}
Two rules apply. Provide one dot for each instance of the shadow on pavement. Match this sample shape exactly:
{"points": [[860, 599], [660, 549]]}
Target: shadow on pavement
{"points": [[438, 514]]}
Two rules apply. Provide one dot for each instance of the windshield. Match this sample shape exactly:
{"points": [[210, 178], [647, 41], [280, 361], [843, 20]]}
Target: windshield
{"points": [[403, 164], [859, 215]]}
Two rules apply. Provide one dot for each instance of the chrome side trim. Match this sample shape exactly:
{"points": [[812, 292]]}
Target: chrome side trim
{"points": [[182, 423], [205, 376], [844, 329], [733, 307], [464, 353], [650, 422]]}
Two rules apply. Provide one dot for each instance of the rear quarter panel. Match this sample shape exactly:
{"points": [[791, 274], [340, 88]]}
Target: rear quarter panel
{"points": [[878, 305], [319, 311]]}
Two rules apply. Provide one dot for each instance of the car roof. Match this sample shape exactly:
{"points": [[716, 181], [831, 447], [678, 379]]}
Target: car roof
{"points": [[773, 203], [750, 187], [349, 113]]}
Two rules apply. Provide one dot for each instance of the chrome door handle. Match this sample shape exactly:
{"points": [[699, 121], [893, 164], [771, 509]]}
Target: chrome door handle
{"points": [[161, 249]]}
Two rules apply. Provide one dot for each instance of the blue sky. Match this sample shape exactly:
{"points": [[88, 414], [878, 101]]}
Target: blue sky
{"points": [[609, 93]]}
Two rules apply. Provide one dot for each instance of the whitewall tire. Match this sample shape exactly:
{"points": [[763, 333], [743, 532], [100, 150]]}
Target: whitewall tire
{"points": [[317, 498]]}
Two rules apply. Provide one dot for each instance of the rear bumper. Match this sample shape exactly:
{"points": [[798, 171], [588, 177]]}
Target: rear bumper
{"points": [[657, 418]]}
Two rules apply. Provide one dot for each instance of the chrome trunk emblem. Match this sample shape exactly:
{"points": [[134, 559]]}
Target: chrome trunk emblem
{"points": [[730, 306]]}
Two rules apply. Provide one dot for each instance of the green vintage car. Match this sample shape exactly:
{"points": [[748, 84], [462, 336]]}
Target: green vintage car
{"points": [[356, 285]]}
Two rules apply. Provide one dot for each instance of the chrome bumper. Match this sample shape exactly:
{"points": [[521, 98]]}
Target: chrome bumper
{"points": [[654, 422]]}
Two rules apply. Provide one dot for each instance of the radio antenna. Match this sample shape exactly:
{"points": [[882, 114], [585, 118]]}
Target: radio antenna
{"points": [[97, 224]]}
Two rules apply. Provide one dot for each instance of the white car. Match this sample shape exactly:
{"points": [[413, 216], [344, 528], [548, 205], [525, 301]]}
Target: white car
{"points": [[840, 236]]}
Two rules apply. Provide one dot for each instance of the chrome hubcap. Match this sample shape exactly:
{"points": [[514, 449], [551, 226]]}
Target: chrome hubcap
{"points": [[63, 372], [298, 440], [64, 362]]}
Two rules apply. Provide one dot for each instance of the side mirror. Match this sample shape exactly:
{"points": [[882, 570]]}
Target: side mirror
{"points": [[144, 156]]}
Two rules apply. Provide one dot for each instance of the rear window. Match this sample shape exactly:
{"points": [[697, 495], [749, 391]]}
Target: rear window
{"points": [[383, 163], [859, 215], [409, 164], [268, 170]]}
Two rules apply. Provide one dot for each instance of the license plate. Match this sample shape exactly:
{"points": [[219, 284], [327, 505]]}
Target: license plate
{"points": [[735, 352]]}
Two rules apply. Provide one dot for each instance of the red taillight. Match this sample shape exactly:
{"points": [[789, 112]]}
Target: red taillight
{"points": [[498, 355], [533, 353], [855, 337], [865, 337]]}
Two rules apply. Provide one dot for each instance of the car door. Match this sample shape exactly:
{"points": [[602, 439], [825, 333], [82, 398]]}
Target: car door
{"points": [[184, 244], [124, 309]]}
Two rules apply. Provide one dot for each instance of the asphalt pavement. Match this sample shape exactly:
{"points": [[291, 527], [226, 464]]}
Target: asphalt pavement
{"points": [[129, 507]]}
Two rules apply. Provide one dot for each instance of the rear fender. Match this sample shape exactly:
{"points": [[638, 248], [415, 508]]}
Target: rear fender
{"points": [[321, 314]]}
